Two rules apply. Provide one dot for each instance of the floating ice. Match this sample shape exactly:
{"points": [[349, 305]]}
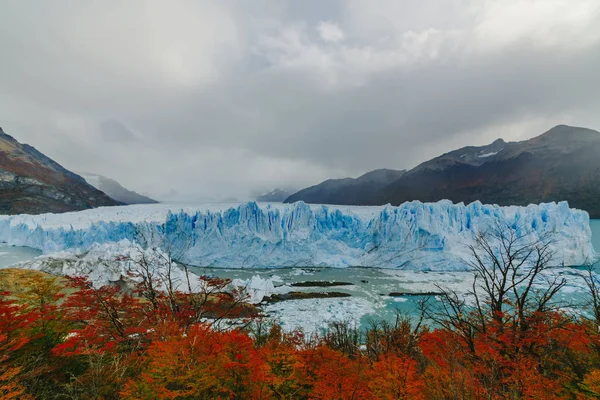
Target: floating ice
{"points": [[256, 288]]}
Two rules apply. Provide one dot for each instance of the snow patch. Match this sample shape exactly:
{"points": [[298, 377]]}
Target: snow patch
{"points": [[486, 155]]}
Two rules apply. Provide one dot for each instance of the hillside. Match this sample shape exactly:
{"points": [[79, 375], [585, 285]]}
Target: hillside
{"points": [[32, 183], [561, 164], [347, 190], [276, 195], [114, 189]]}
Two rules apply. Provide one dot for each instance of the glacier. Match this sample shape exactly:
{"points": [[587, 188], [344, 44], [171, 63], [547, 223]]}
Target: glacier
{"points": [[413, 236]]}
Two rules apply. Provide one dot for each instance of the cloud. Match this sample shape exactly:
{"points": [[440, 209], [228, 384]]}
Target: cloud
{"points": [[116, 131], [224, 99], [330, 31]]}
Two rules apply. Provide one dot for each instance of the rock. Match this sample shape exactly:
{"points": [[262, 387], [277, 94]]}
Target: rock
{"points": [[320, 284], [275, 298], [403, 294]]}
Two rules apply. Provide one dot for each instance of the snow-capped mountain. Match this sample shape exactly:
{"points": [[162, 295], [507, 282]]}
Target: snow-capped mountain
{"points": [[32, 183], [114, 189], [560, 165]]}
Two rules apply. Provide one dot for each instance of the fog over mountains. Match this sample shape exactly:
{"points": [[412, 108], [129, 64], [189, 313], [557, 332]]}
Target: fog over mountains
{"points": [[114, 189]]}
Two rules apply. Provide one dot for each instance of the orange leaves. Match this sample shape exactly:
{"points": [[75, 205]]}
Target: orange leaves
{"points": [[200, 364], [394, 377], [449, 373], [164, 346], [540, 359], [591, 383], [282, 371], [10, 388], [331, 375]]}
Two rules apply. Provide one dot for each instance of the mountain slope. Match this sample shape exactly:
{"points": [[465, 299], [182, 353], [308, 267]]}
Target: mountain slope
{"points": [[561, 164], [347, 191], [32, 183], [114, 189], [276, 195]]}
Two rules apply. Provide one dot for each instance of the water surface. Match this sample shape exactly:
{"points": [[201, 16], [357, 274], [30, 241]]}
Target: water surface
{"points": [[13, 254]]}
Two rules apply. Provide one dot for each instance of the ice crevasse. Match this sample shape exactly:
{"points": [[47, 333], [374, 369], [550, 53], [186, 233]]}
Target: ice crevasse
{"points": [[414, 235]]}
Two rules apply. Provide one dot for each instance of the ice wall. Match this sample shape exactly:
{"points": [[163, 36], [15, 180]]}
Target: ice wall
{"points": [[414, 235]]}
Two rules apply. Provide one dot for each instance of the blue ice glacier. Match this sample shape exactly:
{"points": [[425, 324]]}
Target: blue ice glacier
{"points": [[414, 235]]}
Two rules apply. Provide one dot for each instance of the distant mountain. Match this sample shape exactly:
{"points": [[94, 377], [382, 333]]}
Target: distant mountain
{"points": [[348, 190], [113, 189], [276, 195], [32, 183], [561, 164]]}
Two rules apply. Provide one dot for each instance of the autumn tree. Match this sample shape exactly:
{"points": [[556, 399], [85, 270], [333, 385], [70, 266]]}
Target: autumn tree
{"points": [[15, 320], [513, 332], [203, 363], [108, 330], [510, 285]]}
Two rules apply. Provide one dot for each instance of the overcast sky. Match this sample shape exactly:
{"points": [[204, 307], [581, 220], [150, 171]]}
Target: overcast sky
{"points": [[220, 99]]}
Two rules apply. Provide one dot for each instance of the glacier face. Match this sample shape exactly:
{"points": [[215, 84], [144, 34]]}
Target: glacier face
{"points": [[412, 236]]}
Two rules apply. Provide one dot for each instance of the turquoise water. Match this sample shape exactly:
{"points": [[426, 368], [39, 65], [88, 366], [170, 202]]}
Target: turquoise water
{"points": [[13, 254]]}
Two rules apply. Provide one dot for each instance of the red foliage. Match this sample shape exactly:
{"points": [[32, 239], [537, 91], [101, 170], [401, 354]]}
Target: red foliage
{"points": [[105, 318], [15, 319], [394, 377], [199, 364], [331, 375], [123, 346]]}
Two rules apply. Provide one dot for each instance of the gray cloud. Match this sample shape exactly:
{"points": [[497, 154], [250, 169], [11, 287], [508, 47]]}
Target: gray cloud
{"points": [[226, 98], [115, 131]]}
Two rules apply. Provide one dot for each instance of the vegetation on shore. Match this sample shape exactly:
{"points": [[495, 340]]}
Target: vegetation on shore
{"points": [[66, 339]]}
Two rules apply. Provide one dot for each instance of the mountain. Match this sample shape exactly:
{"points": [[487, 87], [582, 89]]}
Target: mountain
{"points": [[561, 164], [276, 195], [113, 189], [348, 191], [31, 183]]}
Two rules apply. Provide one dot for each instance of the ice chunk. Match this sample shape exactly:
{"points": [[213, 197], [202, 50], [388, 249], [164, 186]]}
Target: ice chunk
{"points": [[256, 287]]}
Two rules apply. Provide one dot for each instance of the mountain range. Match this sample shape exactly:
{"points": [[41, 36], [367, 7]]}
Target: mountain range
{"points": [[115, 191], [32, 183], [276, 195], [354, 191], [560, 164]]}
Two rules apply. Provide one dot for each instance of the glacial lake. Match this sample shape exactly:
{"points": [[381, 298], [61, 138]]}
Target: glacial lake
{"points": [[370, 288]]}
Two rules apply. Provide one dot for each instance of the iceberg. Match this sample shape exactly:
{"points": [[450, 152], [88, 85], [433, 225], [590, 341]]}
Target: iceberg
{"points": [[413, 236], [119, 263]]}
